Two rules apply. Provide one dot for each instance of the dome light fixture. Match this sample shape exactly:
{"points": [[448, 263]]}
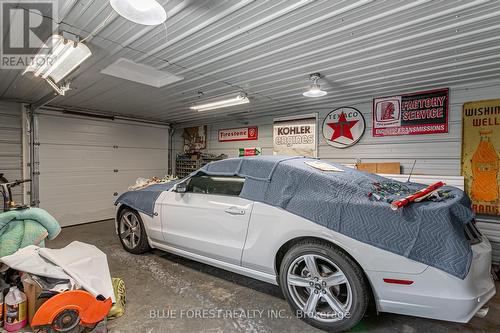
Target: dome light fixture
{"points": [[146, 12], [314, 90]]}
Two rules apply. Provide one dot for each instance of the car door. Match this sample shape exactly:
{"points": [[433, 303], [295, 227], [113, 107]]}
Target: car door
{"points": [[209, 219]]}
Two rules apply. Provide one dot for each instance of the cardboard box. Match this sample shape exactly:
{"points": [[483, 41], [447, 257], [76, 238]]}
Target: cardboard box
{"points": [[32, 290], [386, 168]]}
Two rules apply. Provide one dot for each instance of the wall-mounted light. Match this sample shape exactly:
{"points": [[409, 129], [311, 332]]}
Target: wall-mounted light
{"points": [[238, 100], [314, 89], [57, 58], [146, 12]]}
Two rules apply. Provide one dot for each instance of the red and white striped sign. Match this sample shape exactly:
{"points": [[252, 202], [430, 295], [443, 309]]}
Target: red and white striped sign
{"points": [[238, 134]]}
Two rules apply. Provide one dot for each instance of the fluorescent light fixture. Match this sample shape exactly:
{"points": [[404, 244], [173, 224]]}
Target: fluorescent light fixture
{"points": [[315, 89], [132, 71], [58, 58], [146, 12], [238, 100]]}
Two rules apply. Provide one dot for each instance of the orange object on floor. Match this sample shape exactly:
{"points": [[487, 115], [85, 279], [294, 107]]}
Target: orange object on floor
{"points": [[69, 309]]}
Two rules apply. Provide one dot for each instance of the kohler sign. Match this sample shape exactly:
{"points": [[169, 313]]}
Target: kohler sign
{"points": [[295, 136]]}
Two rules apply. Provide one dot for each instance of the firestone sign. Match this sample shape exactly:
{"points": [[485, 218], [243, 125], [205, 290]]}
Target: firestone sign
{"points": [[239, 134], [343, 127]]}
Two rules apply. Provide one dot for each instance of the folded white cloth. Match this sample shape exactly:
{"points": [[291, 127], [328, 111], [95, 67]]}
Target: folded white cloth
{"points": [[28, 260], [86, 264]]}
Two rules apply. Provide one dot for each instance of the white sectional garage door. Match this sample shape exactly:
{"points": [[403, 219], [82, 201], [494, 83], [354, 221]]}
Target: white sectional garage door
{"points": [[85, 163], [11, 151]]}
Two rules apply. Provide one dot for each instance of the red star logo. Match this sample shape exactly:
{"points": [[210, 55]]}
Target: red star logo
{"points": [[342, 127]]}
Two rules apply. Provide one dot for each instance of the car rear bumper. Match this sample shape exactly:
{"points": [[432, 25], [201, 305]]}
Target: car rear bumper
{"points": [[436, 294]]}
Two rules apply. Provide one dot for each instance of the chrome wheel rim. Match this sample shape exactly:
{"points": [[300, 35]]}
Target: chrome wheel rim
{"points": [[130, 230], [319, 288]]}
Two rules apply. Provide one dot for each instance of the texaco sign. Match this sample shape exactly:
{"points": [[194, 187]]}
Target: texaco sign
{"points": [[343, 127]]}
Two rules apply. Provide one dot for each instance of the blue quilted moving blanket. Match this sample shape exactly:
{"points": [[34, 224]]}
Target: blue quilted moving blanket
{"points": [[428, 232], [143, 200]]}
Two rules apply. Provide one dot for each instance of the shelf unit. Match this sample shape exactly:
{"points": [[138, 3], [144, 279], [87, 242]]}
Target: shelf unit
{"points": [[187, 163]]}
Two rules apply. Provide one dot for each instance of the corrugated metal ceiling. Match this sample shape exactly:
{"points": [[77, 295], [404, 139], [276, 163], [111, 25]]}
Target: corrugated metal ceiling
{"points": [[267, 49]]}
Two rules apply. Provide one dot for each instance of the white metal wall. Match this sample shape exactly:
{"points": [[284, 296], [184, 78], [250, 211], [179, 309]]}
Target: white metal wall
{"points": [[11, 149], [86, 163], [436, 154]]}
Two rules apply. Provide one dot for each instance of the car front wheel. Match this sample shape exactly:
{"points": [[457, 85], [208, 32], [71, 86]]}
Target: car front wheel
{"points": [[132, 233], [324, 286]]}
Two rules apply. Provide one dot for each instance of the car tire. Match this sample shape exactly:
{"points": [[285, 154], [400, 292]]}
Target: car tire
{"points": [[338, 282], [132, 233]]}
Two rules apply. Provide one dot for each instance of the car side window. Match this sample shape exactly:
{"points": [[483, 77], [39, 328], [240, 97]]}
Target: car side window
{"points": [[216, 185]]}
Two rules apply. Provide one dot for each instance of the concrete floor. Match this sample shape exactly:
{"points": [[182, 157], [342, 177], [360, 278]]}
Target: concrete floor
{"points": [[161, 285]]}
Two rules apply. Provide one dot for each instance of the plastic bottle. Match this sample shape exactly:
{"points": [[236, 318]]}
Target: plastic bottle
{"points": [[1, 307], [15, 310]]}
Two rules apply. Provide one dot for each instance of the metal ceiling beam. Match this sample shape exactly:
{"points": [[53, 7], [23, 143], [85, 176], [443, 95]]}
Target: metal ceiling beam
{"points": [[348, 55], [299, 103], [325, 49], [215, 18], [355, 64], [258, 23]]}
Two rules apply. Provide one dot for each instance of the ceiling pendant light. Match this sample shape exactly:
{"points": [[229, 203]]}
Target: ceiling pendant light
{"points": [[314, 90], [146, 12]]}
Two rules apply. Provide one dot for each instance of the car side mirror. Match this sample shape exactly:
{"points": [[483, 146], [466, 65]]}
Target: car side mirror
{"points": [[180, 187]]}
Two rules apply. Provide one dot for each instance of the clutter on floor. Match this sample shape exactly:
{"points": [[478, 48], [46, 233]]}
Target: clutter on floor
{"points": [[6, 192], [59, 290], [118, 308], [141, 183], [22, 227], [65, 311]]}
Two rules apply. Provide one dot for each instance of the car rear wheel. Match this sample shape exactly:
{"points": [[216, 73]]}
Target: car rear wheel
{"points": [[132, 233], [324, 286]]}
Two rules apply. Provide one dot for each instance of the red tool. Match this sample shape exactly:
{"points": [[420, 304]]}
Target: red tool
{"points": [[416, 197], [66, 311]]}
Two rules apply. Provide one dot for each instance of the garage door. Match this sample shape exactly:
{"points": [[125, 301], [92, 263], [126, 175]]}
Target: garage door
{"points": [[11, 151], [85, 163]]}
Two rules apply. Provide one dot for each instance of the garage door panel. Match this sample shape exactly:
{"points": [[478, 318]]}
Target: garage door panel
{"points": [[135, 136], [59, 158], [90, 132], [11, 158], [75, 131], [10, 148], [10, 119], [79, 196], [8, 134], [140, 158], [84, 164]]}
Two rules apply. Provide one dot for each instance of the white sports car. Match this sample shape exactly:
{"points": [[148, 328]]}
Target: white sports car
{"points": [[327, 277]]}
